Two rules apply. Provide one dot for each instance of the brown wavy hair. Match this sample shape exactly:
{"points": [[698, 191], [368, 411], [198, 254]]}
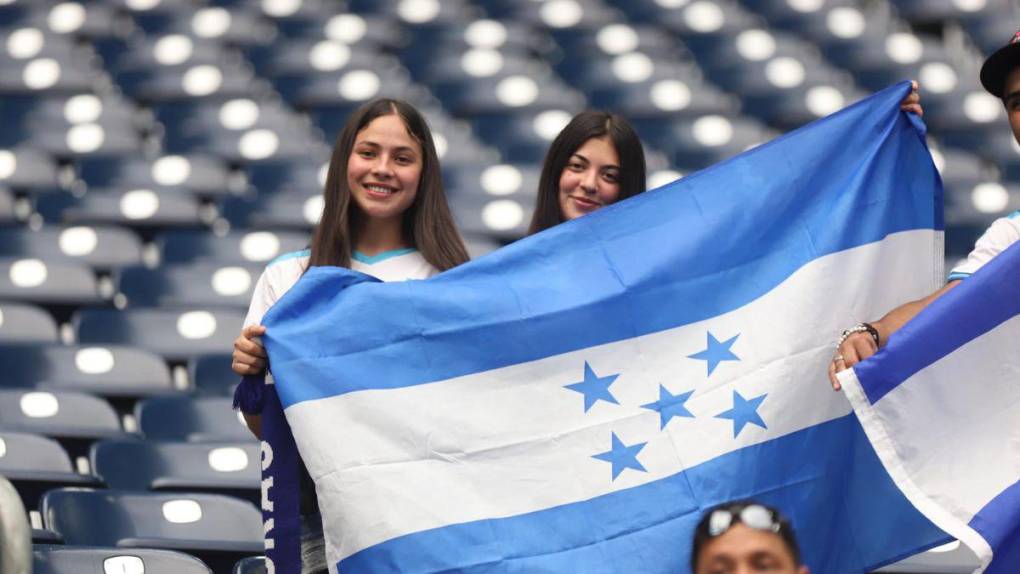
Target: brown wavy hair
{"points": [[583, 127], [427, 223]]}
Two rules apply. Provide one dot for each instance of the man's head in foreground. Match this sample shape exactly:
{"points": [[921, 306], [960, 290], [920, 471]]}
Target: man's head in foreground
{"points": [[744, 538]]}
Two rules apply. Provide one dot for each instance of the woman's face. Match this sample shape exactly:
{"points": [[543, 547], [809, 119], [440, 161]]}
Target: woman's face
{"points": [[384, 168], [743, 550], [591, 179]]}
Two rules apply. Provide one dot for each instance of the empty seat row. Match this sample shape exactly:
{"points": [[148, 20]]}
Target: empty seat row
{"points": [[77, 415]]}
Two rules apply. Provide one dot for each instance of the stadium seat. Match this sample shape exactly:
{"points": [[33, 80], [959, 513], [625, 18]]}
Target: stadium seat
{"points": [[198, 419], [186, 81], [98, 247], [225, 467], [239, 130], [47, 282], [63, 112], [142, 209], [199, 173], [26, 169], [251, 565], [109, 371], [211, 375], [310, 56], [218, 529], [72, 74], [235, 248], [175, 335], [302, 176], [21, 323], [49, 559], [35, 464], [75, 18], [21, 41], [8, 208], [191, 284], [330, 21], [154, 51], [539, 90], [504, 180], [499, 218], [284, 210], [58, 414]]}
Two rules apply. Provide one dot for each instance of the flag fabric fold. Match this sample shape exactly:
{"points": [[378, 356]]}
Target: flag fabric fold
{"points": [[574, 401], [941, 405]]}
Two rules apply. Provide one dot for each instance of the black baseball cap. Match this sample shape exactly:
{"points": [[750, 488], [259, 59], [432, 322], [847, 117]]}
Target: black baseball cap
{"points": [[999, 65]]}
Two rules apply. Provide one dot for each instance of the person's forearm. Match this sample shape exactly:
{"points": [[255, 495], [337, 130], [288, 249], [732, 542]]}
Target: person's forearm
{"points": [[895, 319], [254, 423]]}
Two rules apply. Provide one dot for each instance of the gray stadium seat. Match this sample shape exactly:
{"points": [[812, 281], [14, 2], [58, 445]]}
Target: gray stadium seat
{"points": [[21, 323], [189, 284], [110, 371], [198, 419], [175, 335], [219, 529], [49, 559], [226, 467], [97, 247], [211, 375], [47, 282], [36, 464], [58, 414]]}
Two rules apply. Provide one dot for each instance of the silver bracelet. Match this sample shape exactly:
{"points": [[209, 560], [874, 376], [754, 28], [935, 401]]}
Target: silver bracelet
{"points": [[858, 328]]}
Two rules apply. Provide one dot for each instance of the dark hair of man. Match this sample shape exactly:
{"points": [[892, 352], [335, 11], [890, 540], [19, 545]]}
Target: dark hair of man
{"points": [[427, 223], [702, 535], [584, 126]]}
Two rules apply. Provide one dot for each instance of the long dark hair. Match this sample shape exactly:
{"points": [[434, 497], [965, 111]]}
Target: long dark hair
{"points": [[427, 223], [584, 126]]}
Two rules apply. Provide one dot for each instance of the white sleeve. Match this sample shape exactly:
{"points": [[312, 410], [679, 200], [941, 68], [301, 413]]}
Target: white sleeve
{"points": [[1003, 232], [262, 298]]}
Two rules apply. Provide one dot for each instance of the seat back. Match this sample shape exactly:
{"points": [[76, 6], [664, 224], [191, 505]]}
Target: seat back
{"points": [[191, 419], [48, 559]]}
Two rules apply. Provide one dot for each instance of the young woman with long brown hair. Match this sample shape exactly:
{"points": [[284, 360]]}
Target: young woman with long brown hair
{"points": [[385, 215]]}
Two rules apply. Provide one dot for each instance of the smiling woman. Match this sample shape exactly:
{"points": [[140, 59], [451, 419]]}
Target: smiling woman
{"points": [[596, 160], [384, 214]]}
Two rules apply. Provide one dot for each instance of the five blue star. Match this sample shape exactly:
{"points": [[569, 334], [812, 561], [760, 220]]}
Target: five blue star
{"points": [[594, 388], [716, 352], [622, 456], [744, 411], [670, 406]]}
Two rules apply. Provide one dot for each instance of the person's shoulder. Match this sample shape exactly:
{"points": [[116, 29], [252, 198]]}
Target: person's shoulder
{"points": [[1007, 224], [291, 258], [288, 266]]}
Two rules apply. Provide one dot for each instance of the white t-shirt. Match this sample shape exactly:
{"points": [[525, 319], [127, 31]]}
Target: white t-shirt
{"points": [[283, 272], [1002, 233]]}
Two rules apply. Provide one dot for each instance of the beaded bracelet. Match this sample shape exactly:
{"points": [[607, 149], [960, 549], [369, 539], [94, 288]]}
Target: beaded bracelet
{"points": [[859, 328]]}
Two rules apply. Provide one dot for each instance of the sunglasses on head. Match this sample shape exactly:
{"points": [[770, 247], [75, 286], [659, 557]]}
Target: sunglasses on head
{"points": [[753, 516]]}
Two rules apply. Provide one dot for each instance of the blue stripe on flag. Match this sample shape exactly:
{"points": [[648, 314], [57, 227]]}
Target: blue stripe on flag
{"points": [[649, 528], [986, 300], [683, 253], [999, 523]]}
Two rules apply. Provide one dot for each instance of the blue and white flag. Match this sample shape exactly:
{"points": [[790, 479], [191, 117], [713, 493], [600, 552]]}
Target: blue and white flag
{"points": [[573, 402], [941, 405]]}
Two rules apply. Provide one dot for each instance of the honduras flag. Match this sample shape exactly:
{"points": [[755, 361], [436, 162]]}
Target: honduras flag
{"points": [[575, 401], [941, 405]]}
